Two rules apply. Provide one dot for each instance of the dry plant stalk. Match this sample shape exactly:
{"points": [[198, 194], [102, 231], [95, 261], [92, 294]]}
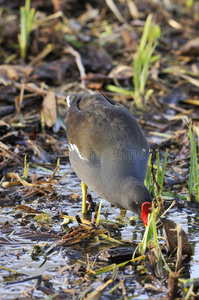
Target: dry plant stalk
{"points": [[179, 250], [79, 63], [172, 285]]}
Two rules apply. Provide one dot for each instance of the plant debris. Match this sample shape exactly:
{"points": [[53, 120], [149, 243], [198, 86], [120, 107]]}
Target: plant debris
{"points": [[64, 47]]}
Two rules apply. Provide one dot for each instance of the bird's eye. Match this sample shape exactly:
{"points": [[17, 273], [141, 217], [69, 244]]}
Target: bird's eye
{"points": [[137, 204]]}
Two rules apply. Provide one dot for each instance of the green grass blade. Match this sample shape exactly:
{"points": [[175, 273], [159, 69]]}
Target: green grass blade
{"points": [[145, 34], [148, 178], [193, 172], [149, 51], [30, 20], [163, 171], [148, 234], [23, 32], [27, 7], [116, 89], [143, 59], [98, 213], [158, 167], [26, 21]]}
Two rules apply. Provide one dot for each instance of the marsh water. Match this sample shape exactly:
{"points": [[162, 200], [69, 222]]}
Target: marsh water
{"points": [[15, 249]]}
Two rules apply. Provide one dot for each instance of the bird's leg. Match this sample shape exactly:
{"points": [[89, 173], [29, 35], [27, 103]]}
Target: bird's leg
{"points": [[84, 191], [122, 214]]}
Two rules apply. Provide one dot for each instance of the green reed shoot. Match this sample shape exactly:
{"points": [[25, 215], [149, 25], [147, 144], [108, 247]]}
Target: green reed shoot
{"points": [[160, 172], [193, 184], [27, 16], [148, 179], [98, 213], [143, 59], [142, 62], [151, 231]]}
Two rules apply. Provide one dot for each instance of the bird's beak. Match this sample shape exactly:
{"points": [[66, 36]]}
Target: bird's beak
{"points": [[145, 211]]}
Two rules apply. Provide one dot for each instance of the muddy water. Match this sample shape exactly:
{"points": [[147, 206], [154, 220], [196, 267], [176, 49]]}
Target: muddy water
{"points": [[15, 253]]}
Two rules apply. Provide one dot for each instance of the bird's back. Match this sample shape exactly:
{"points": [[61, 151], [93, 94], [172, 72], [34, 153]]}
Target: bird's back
{"points": [[107, 142]]}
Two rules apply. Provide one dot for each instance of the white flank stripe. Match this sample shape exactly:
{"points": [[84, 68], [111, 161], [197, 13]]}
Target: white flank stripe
{"points": [[68, 100], [73, 147]]}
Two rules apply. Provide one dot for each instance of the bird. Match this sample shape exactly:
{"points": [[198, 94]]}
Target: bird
{"points": [[108, 151]]}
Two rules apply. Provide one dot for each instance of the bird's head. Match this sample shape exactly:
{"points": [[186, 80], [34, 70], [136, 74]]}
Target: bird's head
{"points": [[137, 199]]}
